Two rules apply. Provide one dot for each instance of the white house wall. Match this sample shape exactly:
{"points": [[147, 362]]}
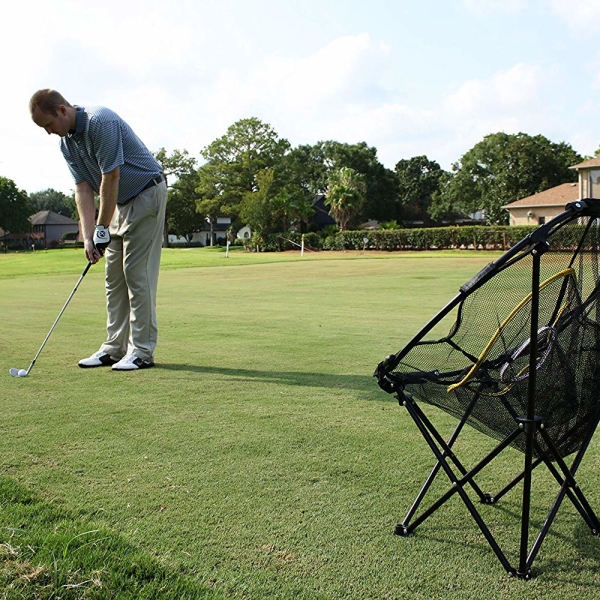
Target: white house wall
{"points": [[519, 216]]}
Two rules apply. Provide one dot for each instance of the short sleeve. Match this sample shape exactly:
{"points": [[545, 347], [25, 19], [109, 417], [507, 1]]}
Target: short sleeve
{"points": [[108, 144]]}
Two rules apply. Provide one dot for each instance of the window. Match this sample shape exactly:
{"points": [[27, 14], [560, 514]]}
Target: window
{"points": [[594, 183]]}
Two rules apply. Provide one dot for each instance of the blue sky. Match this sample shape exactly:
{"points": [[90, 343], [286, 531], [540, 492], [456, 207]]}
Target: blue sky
{"points": [[430, 77]]}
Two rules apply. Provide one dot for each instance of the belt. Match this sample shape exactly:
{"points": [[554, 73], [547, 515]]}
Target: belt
{"points": [[156, 180]]}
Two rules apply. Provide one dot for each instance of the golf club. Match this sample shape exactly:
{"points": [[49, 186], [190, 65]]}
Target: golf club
{"points": [[22, 372]]}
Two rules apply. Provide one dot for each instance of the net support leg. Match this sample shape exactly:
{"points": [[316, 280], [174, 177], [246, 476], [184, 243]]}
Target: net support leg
{"points": [[569, 483], [568, 488], [515, 481], [405, 529], [446, 453], [530, 423]]}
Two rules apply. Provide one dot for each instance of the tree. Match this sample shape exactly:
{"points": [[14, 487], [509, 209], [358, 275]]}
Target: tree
{"points": [[255, 208], [313, 165], [309, 168], [182, 217], [233, 163], [297, 212], [381, 184], [444, 205], [14, 207], [418, 182], [276, 204], [345, 195], [51, 199], [178, 164], [503, 168]]}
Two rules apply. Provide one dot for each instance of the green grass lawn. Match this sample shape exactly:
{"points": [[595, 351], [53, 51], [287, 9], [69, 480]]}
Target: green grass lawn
{"points": [[259, 459]]}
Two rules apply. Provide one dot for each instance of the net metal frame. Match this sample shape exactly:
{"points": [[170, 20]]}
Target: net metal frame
{"points": [[521, 364]]}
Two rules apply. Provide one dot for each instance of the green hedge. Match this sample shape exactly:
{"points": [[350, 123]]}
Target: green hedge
{"points": [[433, 238]]}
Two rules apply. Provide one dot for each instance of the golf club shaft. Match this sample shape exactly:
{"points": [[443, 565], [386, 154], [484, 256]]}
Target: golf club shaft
{"points": [[59, 315]]}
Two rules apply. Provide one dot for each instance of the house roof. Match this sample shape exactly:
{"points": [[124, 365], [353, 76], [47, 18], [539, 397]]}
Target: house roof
{"points": [[49, 217], [586, 164], [556, 196]]}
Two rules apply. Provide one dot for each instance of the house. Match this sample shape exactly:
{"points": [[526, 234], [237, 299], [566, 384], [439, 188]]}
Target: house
{"points": [[212, 228], [51, 227], [245, 233], [541, 207], [589, 178], [321, 217], [370, 225], [24, 241]]}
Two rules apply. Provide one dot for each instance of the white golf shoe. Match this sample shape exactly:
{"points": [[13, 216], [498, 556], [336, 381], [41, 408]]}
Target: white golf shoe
{"points": [[98, 359], [131, 362]]}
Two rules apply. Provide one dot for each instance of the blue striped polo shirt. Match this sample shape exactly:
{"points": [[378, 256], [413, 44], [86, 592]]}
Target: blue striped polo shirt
{"points": [[101, 142]]}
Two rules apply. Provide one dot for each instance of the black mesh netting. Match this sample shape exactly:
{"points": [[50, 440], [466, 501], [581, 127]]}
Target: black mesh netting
{"points": [[486, 354]]}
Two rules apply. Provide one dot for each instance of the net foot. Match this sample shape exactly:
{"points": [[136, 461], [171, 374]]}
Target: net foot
{"points": [[524, 575], [402, 530]]}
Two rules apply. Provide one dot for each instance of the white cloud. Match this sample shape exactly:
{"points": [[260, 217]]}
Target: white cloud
{"points": [[517, 87], [594, 66], [323, 95], [582, 15], [482, 7], [139, 41], [512, 100], [333, 93], [344, 69], [181, 78]]}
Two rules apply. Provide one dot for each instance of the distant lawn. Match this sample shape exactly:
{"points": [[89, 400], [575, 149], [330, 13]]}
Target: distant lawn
{"points": [[259, 459], [72, 260]]}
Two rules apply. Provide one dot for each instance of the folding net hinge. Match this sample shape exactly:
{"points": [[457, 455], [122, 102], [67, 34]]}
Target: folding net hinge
{"points": [[541, 247], [528, 425]]}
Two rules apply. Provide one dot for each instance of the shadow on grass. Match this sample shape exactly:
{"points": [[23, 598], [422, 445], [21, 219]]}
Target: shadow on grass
{"points": [[580, 571], [365, 384], [583, 542], [46, 552]]}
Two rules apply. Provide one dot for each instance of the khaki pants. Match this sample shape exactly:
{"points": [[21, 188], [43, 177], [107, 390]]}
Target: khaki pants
{"points": [[132, 265]]}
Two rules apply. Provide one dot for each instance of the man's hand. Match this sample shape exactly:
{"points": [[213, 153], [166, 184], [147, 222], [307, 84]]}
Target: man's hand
{"points": [[101, 239]]}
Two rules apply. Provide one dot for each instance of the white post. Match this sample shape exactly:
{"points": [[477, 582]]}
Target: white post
{"points": [[227, 250], [302, 246]]}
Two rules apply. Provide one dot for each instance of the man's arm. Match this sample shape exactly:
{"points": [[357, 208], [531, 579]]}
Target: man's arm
{"points": [[109, 190], [84, 198]]}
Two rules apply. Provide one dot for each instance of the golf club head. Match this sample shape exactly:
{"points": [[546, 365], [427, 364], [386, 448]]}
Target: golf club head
{"points": [[18, 372]]}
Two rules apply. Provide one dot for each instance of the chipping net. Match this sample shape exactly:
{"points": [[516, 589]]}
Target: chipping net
{"points": [[487, 352]]}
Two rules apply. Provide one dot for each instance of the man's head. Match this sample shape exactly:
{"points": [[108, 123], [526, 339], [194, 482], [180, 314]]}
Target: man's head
{"points": [[50, 111]]}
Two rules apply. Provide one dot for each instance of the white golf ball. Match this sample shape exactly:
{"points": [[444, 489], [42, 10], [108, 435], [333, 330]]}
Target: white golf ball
{"points": [[22, 373]]}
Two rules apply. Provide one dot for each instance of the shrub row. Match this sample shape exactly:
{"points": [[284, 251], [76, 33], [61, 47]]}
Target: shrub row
{"points": [[434, 238]]}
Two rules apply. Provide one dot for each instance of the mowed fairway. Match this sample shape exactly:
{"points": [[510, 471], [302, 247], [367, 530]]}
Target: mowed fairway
{"points": [[259, 459]]}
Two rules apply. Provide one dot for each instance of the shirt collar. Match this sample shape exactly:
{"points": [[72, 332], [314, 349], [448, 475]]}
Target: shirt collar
{"points": [[79, 121]]}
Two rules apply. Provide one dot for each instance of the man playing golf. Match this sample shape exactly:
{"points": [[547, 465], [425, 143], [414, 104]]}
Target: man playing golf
{"points": [[106, 158]]}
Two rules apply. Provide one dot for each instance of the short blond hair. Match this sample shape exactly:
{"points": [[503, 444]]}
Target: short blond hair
{"points": [[47, 101]]}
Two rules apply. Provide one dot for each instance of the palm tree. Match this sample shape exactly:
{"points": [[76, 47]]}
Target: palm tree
{"points": [[346, 193]]}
